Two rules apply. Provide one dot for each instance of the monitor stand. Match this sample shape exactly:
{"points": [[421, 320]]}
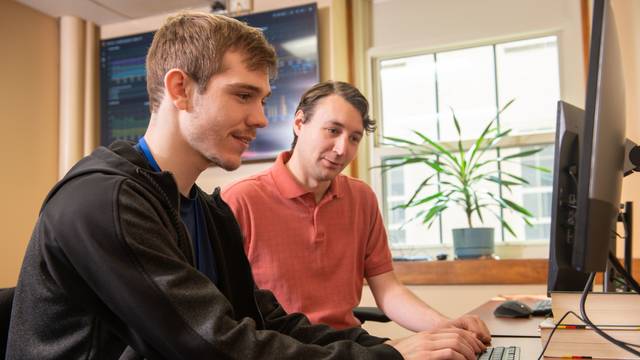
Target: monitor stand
{"points": [[631, 165], [625, 217]]}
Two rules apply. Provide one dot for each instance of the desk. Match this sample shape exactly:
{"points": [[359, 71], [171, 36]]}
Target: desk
{"points": [[506, 326], [512, 332]]}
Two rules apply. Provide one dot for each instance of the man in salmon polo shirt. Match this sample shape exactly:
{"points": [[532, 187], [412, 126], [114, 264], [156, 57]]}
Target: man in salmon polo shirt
{"points": [[312, 234]]}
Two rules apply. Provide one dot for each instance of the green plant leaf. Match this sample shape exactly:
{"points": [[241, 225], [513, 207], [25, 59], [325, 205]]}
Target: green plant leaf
{"points": [[508, 227], [401, 161], [522, 181], [436, 210], [424, 183], [517, 207], [477, 205], [441, 149], [523, 154], [427, 199], [503, 182], [460, 148], [539, 168], [400, 140], [477, 145]]}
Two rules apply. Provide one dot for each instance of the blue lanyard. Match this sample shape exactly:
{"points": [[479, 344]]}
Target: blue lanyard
{"points": [[147, 153]]}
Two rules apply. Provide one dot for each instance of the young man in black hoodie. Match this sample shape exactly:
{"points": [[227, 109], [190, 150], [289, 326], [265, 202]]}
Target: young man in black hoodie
{"points": [[129, 259]]}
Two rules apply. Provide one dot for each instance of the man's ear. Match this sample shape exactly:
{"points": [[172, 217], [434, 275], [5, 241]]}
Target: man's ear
{"points": [[179, 87], [298, 120]]}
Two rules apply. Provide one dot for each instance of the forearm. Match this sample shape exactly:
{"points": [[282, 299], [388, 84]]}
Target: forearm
{"points": [[409, 311]]}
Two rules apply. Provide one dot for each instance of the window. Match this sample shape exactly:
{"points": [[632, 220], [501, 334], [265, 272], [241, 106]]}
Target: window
{"points": [[419, 92]]}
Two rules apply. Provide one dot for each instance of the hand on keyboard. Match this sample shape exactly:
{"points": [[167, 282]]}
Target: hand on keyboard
{"points": [[439, 343], [473, 324]]}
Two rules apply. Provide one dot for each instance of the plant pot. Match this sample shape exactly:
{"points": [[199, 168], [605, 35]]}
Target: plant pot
{"points": [[470, 243]]}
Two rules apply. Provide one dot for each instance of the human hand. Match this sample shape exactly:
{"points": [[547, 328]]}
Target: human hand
{"points": [[443, 343], [471, 323]]}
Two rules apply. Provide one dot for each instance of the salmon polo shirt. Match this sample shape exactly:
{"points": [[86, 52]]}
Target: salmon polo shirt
{"points": [[313, 257]]}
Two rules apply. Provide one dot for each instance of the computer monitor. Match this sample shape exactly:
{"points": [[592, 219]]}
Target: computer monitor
{"points": [[588, 167]]}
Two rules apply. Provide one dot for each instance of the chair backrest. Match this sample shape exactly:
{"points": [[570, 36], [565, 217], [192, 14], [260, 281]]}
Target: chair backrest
{"points": [[6, 301]]}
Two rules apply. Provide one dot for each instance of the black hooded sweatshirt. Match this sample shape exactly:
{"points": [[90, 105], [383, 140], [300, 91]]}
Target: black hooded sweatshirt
{"points": [[109, 274]]}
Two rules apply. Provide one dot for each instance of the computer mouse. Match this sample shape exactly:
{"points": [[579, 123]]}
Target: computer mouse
{"points": [[512, 309]]}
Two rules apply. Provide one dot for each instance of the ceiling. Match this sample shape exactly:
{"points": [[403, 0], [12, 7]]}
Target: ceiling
{"points": [[103, 12]]}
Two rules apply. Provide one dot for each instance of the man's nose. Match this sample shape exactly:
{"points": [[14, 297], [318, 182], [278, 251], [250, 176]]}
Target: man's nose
{"points": [[340, 145], [258, 118]]}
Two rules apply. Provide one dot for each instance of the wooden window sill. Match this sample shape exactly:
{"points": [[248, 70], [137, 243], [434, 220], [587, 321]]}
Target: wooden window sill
{"points": [[478, 272]]}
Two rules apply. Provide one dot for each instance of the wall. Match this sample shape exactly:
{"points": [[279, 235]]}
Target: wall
{"points": [[28, 121]]}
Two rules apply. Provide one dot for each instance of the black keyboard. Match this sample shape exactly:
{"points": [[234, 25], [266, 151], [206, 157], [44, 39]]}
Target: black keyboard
{"points": [[501, 353], [541, 308]]}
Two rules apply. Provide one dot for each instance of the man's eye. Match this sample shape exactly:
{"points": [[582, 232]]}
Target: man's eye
{"points": [[244, 96], [332, 130], [355, 139]]}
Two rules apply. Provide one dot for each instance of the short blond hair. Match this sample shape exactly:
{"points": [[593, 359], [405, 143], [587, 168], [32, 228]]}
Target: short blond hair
{"points": [[196, 43]]}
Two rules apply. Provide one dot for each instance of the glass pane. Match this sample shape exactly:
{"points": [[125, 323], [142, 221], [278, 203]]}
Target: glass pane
{"points": [[528, 73], [466, 83], [535, 197], [408, 96], [400, 185], [455, 217]]}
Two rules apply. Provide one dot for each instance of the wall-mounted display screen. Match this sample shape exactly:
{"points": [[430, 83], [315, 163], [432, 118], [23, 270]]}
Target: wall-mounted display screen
{"points": [[294, 34], [124, 103]]}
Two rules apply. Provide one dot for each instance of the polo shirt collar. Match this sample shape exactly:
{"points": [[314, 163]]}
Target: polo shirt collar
{"points": [[290, 188]]}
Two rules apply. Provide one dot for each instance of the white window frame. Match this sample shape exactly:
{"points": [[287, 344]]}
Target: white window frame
{"points": [[504, 249]]}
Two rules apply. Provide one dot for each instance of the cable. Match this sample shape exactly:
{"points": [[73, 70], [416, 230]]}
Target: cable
{"points": [[544, 348], [613, 260], [583, 299], [623, 344], [622, 271]]}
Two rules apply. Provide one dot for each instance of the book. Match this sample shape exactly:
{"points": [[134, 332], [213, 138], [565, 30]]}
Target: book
{"points": [[582, 341], [601, 308]]}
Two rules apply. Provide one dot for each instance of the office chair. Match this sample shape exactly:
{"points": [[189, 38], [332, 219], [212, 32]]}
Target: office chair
{"points": [[6, 301], [370, 313]]}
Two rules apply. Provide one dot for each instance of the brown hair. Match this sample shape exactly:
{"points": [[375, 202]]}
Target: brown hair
{"points": [[196, 44], [345, 90]]}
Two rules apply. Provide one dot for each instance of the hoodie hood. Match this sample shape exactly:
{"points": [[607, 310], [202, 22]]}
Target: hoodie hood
{"points": [[121, 158]]}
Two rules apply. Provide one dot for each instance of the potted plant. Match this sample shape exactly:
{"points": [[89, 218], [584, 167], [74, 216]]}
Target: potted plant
{"points": [[467, 176]]}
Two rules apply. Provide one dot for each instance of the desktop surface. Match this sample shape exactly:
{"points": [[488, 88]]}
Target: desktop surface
{"points": [[520, 332], [508, 327]]}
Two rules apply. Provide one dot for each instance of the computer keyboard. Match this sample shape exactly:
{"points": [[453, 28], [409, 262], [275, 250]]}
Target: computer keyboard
{"points": [[501, 353], [541, 308]]}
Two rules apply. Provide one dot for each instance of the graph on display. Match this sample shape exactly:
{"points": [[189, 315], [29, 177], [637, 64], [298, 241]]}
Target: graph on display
{"points": [[124, 107], [293, 33]]}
